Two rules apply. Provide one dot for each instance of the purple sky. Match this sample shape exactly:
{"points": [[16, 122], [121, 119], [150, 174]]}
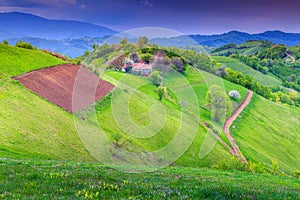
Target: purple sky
{"points": [[187, 16]]}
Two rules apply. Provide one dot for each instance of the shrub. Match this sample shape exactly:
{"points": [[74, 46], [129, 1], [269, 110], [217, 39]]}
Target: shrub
{"points": [[25, 45], [160, 92]]}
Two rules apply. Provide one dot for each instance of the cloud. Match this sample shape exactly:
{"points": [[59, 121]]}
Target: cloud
{"points": [[37, 3], [147, 3]]}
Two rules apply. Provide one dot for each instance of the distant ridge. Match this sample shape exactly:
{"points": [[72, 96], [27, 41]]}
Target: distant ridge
{"points": [[73, 38], [16, 25], [278, 37]]}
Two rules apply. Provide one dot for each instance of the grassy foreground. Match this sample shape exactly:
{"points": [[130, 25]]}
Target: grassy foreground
{"points": [[60, 180]]}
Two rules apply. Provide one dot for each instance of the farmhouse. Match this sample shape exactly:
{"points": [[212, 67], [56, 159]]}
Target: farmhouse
{"points": [[140, 68]]}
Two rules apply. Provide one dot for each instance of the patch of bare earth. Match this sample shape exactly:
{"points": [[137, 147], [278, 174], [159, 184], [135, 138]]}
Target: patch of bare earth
{"points": [[68, 86]]}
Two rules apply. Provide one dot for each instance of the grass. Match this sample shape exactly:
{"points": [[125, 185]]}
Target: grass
{"points": [[140, 103], [256, 138], [191, 87], [21, 179], [30, 126], [267, 131], [34, 129], [236, 65], [16, 61]]}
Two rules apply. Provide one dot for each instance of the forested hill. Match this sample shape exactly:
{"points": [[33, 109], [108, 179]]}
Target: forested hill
{"points": [[237, 37]]}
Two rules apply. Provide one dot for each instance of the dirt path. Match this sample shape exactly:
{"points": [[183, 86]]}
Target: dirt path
{"points": [[289, 55], [219, 139], [231, 119]]}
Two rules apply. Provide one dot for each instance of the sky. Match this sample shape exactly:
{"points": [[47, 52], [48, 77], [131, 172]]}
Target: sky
{"points": [[185, 16]]}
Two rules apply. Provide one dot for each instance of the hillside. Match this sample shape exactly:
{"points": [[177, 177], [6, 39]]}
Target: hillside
{"points": [[236, 65], [17, 25], [16, 61], [250, 47], [69, 47], [267, 131], [13, 95], [36, 118], [200, 81], [28, 122], [140, 133]]}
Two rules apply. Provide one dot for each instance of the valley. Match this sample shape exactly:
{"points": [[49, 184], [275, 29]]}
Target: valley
{"points": [[135, 119]]}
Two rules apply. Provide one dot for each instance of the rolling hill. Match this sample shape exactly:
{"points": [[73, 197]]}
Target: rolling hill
{"points": [[29, 123], [69, 47], [236, 65], [35, 134]]}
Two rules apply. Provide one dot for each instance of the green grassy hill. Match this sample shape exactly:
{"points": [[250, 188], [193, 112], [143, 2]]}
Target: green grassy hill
{"points": [[16, 61], [267, 131], [30, 126], [30, 123], [33, 130], [236, 65], [248, 48]]}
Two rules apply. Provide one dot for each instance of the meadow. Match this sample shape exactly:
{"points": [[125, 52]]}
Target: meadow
{"points": [[23, 178]]}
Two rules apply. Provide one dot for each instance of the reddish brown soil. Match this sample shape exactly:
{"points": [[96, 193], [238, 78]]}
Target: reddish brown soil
{"points": [[68, 86]]}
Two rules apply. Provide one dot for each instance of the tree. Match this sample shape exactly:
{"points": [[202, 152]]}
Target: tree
{"points": [[160, 92], [234, 94], [163, 65], [178, 64], [143, 41], [155, 78], [146, 57], [5, 42], [124, 41], [128, 69], [218, 102], [285, 98], [135, 57], [221, 71], [25, 45]]}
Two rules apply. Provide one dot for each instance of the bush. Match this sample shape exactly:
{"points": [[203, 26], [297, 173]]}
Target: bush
{"points": [[128, 69], [296, 174], [5, 42], [160, 92], [25, 45]]}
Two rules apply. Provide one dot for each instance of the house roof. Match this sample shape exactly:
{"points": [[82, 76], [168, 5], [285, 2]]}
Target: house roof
{"points": [[139, 66]]}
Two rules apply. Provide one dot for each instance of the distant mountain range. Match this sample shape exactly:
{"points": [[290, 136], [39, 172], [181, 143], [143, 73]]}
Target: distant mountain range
{"points": [[72, 38], [16, 25]]}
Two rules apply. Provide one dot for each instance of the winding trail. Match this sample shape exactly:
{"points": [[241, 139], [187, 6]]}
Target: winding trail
{"points": [[231, 119], [292, 57]]}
